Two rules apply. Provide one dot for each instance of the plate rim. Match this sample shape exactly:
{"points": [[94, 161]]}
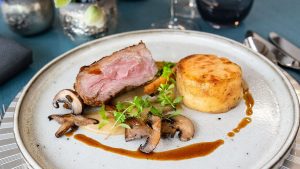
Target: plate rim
{"points": [[272, 162]]}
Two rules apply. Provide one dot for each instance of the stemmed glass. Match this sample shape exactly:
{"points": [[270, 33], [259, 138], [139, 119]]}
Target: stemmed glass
{"points": [[174, 22], [220, 13], [187, 9]]}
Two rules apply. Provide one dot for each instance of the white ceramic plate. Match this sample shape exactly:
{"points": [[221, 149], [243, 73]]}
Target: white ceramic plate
{"points": [[259, 145]]}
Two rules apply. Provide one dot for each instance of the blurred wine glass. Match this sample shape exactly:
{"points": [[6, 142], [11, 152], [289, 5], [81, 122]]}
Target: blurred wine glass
{"points": [[220, 13], [187, 9], [174, 22]]}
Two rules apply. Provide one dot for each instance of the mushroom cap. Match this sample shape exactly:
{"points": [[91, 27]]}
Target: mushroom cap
{"points": [[154, 137], [70, 98], [138, 129], [178, 123]]}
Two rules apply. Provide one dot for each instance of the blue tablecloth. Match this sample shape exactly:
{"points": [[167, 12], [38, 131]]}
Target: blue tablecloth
{"points": [[281, 16]]}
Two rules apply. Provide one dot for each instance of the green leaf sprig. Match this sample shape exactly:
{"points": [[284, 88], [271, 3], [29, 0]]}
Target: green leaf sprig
{"points": [[104, 117], [166, 95], [135, 107], [128, 109], [166, 70]]}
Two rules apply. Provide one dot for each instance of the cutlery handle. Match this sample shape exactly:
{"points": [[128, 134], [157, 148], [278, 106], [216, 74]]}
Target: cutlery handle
{"points": [[285, 46]]}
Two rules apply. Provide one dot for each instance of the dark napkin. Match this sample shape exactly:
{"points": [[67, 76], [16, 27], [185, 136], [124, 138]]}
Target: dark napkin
{"points": [[13, 58]]}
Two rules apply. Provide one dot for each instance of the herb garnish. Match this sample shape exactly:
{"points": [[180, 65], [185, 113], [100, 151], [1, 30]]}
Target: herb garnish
{"points": [[135, 107], [127, 109], [104, 117]]}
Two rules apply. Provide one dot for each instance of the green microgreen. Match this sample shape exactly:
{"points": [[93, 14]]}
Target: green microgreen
{"points": [[156, 112], [119, 117], [177, 100], [124, 125], [120, 106], [104, 117], [127, 109], [134, 107], [173, 114], [166, 73], [166, 95], [167, 66]]}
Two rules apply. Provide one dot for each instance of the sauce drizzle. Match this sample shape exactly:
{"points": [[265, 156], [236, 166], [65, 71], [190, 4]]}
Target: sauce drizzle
{"points": [[249, 101], [187, 152], [243, 123], [71, 132]]}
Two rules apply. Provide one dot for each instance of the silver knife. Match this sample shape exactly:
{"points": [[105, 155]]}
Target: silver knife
{"points": [[259, 44], [286, 46]]}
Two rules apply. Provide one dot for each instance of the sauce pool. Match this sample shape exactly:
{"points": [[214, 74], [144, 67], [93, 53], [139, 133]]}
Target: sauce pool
{"points": [[187, 152]]}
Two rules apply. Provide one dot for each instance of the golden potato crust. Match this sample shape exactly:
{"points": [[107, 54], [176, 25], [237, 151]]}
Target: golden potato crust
{"points": [[209, 83]]}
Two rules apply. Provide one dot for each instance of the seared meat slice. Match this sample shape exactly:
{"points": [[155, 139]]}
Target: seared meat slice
{"points": [[129, 67]]}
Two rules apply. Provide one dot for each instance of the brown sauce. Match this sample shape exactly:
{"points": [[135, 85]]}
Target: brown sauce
{"points": [[71, 132], [230, 134], [249, 102], [243, 123], [187, 152]]}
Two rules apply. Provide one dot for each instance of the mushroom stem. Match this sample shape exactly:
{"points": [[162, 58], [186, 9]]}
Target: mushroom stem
{"points": [[139, 129], [154, 137], [63, 129], [68, 121]]}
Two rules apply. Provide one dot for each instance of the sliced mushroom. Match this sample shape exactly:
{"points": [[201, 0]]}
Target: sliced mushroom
{"points": [[70, 99], [69, 121], [154, 137], [138, 129], [167, 128], [178, 123]]}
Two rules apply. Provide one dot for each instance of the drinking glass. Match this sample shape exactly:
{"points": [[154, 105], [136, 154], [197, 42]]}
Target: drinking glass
{"points": [[174, 22], [73, 20], [187, 9], [221, 13]]}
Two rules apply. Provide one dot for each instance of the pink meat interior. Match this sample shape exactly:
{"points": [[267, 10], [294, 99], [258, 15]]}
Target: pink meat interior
{"points": [[130, 67]]}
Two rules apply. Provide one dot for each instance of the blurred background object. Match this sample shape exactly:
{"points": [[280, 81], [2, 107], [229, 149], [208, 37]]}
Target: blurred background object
{"points": [[85, 20], [28, 17], [174, 22], [220, 13], [14, 58], [186, 9]]}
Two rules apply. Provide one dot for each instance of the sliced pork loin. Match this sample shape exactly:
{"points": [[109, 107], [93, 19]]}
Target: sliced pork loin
{"points": [[129, 67]]}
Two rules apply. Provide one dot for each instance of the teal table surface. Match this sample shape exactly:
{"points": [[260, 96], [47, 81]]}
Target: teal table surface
{"points": [[281, 16]]}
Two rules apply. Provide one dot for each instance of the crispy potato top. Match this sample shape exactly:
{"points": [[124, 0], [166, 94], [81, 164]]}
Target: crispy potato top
{"points": [[208, 68]]}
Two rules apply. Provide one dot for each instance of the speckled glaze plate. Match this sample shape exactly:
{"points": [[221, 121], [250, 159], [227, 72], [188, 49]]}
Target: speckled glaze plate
{"points": [[261, 144]]}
